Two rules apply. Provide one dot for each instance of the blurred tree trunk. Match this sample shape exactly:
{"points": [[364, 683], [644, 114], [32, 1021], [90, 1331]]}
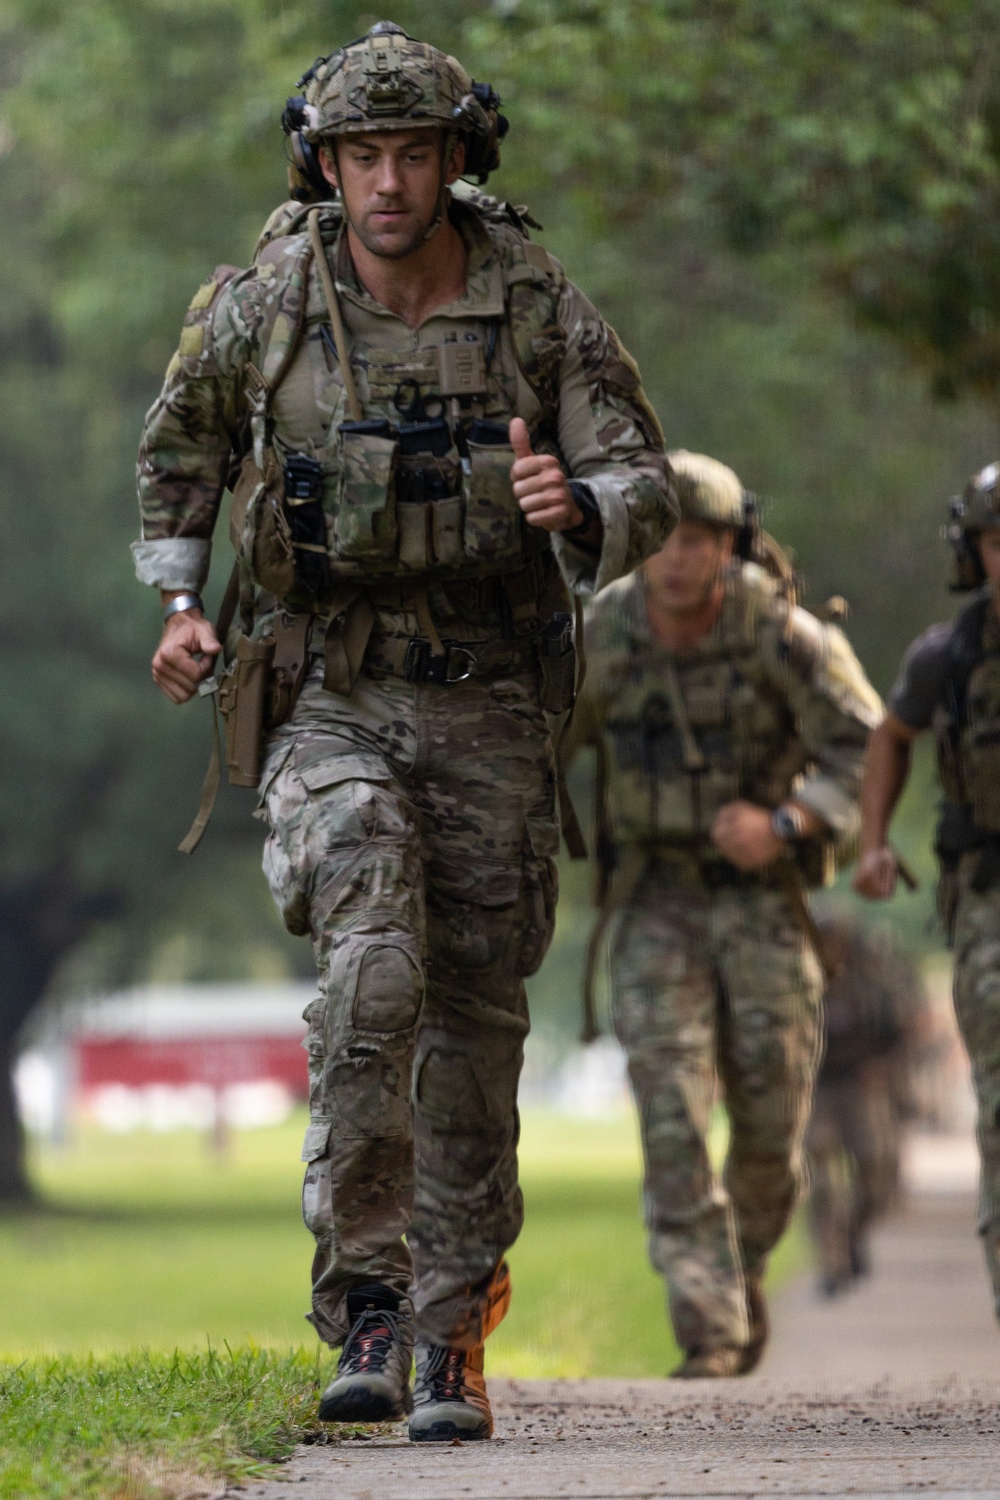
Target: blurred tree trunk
{"points": [[39, 924]]}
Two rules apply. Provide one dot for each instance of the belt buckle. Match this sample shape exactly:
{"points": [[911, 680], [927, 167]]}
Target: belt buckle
{"points": [[421, 665], [451, 652], [417, 658]]}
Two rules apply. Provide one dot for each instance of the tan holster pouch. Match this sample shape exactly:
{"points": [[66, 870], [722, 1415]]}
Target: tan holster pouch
{"points": [[256, 693]]}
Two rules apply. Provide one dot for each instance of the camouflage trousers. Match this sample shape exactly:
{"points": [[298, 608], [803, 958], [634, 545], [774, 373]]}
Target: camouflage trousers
{"points": [[706, 987], [977, 1006], [412, 834], [853, 1144]]}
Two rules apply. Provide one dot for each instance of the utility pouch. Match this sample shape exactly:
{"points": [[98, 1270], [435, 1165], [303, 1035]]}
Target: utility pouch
{"points": [[259, 527], [306, 519], [243, 695], [557, 659], [492, 529], [365, 527]]}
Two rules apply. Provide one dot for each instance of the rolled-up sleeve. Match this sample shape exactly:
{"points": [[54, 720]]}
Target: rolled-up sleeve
{"points": [[187, 442], [610, 438]]}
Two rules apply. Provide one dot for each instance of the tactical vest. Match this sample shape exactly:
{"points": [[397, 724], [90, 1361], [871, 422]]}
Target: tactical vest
{"points": [[420, 486], [686, 735], [966, 727]]}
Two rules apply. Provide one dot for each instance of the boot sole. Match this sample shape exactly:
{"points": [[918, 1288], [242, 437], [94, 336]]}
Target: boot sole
{"points": [[362, 1406], [447, 1432]]}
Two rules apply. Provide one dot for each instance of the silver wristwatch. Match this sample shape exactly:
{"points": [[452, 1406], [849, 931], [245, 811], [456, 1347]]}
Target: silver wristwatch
{"points": [[182, 602]]}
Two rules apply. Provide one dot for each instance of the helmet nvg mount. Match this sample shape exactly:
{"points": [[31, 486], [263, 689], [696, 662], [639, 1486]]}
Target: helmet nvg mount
{"points": [[976, 510], [387, 80]]}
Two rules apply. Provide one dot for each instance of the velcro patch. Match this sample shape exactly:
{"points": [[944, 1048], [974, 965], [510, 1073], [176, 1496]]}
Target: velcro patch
{"points": [[192, 340], [204, 296]]}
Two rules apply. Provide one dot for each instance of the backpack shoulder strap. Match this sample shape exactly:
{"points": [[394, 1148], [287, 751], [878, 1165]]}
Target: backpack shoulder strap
{"points": [[533, 281]]}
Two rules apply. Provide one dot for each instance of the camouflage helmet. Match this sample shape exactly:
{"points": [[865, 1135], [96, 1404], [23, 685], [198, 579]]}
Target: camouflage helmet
{"points": [[707, 490], [976, 509], [387, 80]]}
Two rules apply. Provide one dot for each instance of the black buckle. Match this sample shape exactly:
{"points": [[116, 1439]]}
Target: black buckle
{"points": [[421, 665]]}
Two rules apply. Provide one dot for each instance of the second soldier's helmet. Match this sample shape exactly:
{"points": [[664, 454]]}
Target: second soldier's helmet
{"points": [[977, 509], [708, 490], [387, 80]]}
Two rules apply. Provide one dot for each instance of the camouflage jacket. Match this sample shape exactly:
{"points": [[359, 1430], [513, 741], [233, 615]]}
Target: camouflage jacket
{"points": [[580, 394], [774, 701]]}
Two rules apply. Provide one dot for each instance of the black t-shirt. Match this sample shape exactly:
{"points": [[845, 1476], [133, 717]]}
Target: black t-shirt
{"points": [[920, 684]]}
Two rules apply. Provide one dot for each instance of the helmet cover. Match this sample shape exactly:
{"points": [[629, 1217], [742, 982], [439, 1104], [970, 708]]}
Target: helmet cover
{"points": [[707, 490]]}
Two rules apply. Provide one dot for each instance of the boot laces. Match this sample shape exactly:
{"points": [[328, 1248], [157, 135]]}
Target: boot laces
{"points": [[369, 1343], [445, 1374]]}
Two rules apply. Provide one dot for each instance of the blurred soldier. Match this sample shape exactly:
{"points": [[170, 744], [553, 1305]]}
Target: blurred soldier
{"points": [[730, 725], [950, 683], [430, 433], [873, 1007]]}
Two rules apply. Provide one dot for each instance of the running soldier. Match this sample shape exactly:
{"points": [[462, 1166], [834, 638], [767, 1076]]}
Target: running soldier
{"points": [[949, 683], [873, 1011], [730, 726], [431, 437]]}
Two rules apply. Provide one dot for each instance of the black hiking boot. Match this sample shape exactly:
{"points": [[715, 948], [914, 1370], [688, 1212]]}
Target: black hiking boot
{"points": [[372, 1383], [449, 1396]]}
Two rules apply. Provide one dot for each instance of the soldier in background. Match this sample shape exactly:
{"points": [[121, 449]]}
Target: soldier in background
{"points": [[873, 1009], [432, 437], [730, 725], [949, 683]]}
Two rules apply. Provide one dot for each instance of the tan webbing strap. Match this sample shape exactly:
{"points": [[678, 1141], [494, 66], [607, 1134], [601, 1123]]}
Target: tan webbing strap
{"points": [[694, 761], [333, 308], [791, 887], [213, 774], [621, 889], [425, 620]]}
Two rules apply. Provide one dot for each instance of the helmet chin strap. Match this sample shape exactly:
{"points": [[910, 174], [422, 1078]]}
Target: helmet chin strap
{"points": [[448, 141]]}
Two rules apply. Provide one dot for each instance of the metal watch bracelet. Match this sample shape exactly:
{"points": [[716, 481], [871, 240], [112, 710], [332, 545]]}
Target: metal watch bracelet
{"points": [[788, 824], [182, 602]]}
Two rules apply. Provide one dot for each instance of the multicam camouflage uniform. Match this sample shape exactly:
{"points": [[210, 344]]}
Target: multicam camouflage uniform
{"points": [[711, 971], [412, 820]]}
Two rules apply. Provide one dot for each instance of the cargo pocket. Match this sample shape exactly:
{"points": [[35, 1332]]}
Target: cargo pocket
{"points": [[492, 528], [365, 526], [317, 1191], [448, 1092], [536, 912], [470, 911]]}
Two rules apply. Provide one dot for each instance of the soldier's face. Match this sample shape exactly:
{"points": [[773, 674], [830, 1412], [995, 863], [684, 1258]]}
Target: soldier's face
{"points": [[391, 184], [687, 569], [989, 552]]}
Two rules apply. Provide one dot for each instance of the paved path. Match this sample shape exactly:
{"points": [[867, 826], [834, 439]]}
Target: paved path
{"points": [[892, 1390]]}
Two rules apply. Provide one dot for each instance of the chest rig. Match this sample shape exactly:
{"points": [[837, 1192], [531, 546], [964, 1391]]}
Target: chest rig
{"points": [[391, 461], [686, 735], [967, 726]]}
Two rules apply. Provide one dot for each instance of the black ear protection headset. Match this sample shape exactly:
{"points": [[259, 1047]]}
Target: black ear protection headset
{"points": [[478, 123], [748, 531], [967, 570]]}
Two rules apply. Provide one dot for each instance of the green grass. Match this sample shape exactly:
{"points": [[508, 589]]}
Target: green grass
{"points": [[150, 1425], [148, 1243]]}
